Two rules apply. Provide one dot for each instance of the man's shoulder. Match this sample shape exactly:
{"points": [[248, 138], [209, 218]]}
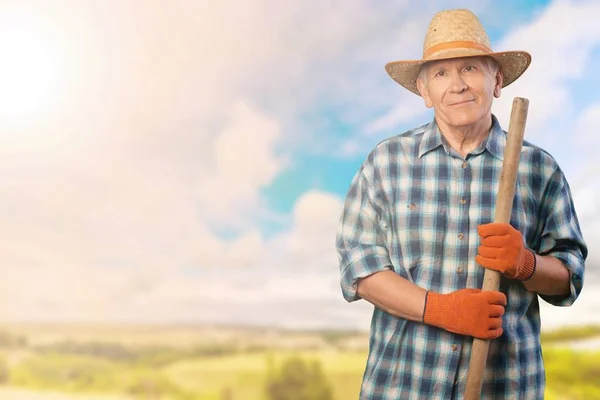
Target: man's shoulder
{"points": [[411, 135], [403, 140], [538, 155], [388, 150]]}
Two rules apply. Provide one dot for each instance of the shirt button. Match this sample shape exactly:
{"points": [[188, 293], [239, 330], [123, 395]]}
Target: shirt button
{"points": [[411, 206], [463, 201], [454, 347], [459, 270], [464, 164], [460, 236]]}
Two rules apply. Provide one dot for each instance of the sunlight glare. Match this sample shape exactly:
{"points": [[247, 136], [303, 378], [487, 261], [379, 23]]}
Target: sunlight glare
{"points": [[30, 72]]}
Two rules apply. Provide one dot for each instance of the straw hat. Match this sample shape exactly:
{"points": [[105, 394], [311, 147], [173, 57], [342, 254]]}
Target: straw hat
{"points": [[457, 33]]}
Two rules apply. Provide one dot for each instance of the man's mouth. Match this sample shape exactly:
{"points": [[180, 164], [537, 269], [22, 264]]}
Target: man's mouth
{"points": [[461, 102]]}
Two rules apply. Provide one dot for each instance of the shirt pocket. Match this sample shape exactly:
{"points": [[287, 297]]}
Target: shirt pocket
{"points": [[419, 229]]}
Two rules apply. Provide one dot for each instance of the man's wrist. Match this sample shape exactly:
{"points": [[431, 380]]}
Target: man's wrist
{"points": [[425, 306]]}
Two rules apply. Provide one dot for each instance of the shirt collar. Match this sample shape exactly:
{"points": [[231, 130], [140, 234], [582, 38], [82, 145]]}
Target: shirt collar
{"points": [[494, 142], [432, 139]]}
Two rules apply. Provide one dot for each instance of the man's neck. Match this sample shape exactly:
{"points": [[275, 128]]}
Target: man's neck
{"points": [[464, 139]]}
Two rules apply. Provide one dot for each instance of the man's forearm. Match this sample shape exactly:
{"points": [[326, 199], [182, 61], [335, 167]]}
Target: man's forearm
{"points": [[393, 294], [551, 277]]}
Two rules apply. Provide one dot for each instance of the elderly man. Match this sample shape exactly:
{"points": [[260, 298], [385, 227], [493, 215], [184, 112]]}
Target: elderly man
{"points": [[416, 232]]}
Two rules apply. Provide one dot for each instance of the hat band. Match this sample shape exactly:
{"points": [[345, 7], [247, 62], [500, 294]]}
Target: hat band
{"points": [[457, 44]]}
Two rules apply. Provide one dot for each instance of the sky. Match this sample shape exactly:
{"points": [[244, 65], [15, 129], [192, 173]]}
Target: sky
{"points": [[187, 162]]}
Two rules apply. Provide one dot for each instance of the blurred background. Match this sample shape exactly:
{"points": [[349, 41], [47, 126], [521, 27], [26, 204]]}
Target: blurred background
{"points": [[172, 174]]}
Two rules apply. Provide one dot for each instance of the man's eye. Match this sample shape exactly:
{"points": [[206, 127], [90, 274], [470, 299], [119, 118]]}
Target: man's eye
{"points": [[440, 73], [470, 68]]}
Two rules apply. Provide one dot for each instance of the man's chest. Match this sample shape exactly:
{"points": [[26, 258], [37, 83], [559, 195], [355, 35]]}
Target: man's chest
{"points": [[433, 209]]}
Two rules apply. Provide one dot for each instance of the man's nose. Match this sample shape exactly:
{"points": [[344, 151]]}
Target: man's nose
{"points": [[457, 83]]}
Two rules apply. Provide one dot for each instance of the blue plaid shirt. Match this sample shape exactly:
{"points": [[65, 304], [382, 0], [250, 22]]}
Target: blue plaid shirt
{"points": [[413, 207]]}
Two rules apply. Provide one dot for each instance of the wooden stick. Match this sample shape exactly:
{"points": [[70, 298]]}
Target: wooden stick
{"points": [[504, 202]]}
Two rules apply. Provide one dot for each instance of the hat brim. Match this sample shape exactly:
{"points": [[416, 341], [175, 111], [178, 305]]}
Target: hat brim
{"points": [[512, 64]]}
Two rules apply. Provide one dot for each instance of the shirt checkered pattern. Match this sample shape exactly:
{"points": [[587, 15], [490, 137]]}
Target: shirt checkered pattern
{"points": [[413, 207]]}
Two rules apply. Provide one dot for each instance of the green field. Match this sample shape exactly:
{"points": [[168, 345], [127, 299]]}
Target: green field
{"points": [[244, 374], [191, 363]]}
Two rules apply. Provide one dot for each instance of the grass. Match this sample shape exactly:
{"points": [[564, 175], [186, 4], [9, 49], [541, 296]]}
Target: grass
{"points": [[571, 333], [245, 373], [77, 362], [570, 375]]}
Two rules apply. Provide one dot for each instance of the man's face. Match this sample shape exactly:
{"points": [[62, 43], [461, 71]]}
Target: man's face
{"points": [[460, 90]]}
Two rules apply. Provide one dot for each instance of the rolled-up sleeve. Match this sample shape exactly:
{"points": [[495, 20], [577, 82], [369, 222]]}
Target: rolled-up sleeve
{"points": [[562, 238], [361, 235]]}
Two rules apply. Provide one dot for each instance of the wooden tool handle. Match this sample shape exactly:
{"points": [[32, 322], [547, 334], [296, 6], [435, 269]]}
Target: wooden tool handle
{"points": [[504, 202]]}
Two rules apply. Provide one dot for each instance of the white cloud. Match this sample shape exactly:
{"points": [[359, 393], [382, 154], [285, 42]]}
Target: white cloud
{"points": [[317, 213], [411, 107], [291, 280], [144, 152], [307, 265], [583, 312], [585, 184], [561, 41], [169, 124], [247, 249], [245, 160], [585, 188], [311, 241], [585, 130], [297, 282]]}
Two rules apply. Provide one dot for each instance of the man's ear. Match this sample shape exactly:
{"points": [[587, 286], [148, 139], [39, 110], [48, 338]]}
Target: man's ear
{"points": [[424, 93], [498, 86]]}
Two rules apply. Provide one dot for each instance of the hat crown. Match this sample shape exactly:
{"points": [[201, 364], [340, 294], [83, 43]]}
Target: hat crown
{"points": [[455, 28]]}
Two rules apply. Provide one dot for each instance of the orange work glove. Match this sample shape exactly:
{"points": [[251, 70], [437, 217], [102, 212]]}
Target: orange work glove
{"points": [[470, 312], [502, 249]]}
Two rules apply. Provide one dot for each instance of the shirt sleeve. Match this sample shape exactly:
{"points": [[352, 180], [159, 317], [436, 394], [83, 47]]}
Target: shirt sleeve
{"points": [[361, 236], [562, 238]]}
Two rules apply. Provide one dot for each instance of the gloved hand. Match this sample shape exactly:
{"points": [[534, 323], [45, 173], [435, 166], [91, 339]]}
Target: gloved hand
{"points": [[470, 312], [502, 249]]}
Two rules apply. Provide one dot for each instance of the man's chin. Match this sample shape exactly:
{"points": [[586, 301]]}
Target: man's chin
{"points": [[466, 120]]}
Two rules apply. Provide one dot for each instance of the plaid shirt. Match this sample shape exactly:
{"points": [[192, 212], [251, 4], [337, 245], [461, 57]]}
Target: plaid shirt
{"points": [[414, 207]]}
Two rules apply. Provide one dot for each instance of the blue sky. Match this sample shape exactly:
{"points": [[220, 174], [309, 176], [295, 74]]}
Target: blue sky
{"points": [[324, 170], [191, 165], [326, 121]]}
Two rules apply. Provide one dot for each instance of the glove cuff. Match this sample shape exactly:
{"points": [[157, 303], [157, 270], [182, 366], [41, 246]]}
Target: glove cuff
{"points": [[528, 265], [437, 312]]}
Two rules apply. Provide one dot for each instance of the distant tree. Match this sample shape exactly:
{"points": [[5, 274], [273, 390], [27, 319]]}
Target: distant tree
{"points": [[298, 380], [4, 372], [9, 340], [153, 385], [227, 394]]}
